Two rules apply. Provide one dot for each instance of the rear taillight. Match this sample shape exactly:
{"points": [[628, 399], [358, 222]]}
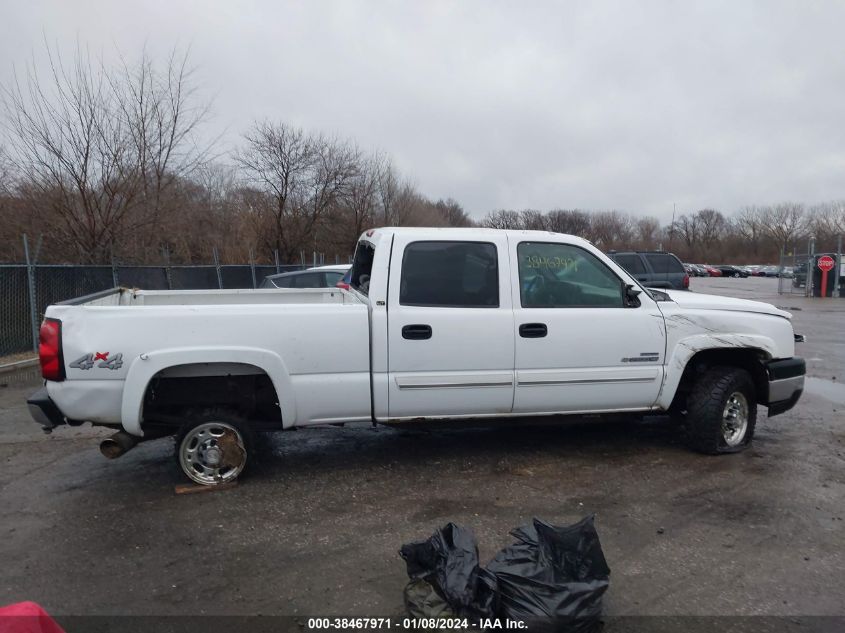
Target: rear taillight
{"points": [[686, 281], [342, 285], [50, 350]]}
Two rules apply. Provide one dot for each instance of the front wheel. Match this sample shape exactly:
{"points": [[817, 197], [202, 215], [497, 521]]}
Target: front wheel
{"points": [[721, 411], [213, 447]]}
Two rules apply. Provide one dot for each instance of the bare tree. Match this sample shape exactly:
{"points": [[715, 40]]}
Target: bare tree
{"points": [[503, 219], [711, 228], [748, 224], [301, 178], [783, 223], [533, 220], [827, 223], [610, 229], [647, 230], [573, 221], [687, 228], [359, 208], [100, 147], [453, 213]]}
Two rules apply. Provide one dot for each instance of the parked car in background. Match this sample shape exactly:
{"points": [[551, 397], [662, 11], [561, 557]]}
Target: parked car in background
{"points": [[769, 271], [319, 277], [345, 281], [712, 270], [694, 270], [654, 269], [732, 271]]}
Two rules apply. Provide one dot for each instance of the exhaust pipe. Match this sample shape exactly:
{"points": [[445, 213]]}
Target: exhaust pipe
{"points": [[118, 444]]}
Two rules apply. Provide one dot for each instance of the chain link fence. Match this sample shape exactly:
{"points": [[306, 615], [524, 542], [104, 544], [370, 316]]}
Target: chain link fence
{"points": [[27, 290], [802, 274]]}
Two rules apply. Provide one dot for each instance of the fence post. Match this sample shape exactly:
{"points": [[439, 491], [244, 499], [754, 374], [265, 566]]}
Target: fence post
{"points": [[30, 279], [217, 267], [276, 257], [838, 288], [252, 269], [114, 278], [166, 252]]}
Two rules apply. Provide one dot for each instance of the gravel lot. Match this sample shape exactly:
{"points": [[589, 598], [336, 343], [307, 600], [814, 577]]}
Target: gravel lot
{"points": [[316, 527]]}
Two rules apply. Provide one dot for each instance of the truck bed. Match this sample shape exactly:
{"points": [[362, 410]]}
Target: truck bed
{"points": [[312, 343]]}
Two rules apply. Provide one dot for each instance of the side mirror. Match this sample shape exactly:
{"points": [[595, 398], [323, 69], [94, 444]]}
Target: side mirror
{"points": [[632, 296]]}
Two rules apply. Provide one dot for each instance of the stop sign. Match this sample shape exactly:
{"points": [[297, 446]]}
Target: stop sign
{"points": [[826, 263]]}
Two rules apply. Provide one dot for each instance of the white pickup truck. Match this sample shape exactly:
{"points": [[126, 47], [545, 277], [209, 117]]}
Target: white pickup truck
{"points": [[438, 323]]}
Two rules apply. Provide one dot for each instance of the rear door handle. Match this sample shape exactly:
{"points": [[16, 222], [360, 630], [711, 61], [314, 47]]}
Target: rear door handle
{"points": [[533, 330], [416, 332]]}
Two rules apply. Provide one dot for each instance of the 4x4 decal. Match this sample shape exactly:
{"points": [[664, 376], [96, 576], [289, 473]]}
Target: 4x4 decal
{"points": [[105, 362]]}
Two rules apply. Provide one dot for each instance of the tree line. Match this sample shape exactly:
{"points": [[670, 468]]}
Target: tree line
{"points": [[106, 162], [755, 234]]}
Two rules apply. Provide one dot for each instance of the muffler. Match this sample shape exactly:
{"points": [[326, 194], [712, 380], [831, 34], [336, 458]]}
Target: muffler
{"points": [[118, 444]]}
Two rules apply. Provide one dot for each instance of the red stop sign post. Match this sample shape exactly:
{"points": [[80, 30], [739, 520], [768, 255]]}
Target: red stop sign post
{"points": [[825, 264]]}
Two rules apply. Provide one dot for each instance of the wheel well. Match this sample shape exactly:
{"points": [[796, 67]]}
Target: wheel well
{"points": [[246, 389], [750, 359]]}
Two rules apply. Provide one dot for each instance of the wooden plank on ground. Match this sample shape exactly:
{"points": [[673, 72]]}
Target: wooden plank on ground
{"points": [[187, 489]]}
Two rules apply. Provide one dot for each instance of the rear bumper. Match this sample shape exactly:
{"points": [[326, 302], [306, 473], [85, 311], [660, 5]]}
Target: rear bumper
{"points": [[786, 383], [44, 411]]}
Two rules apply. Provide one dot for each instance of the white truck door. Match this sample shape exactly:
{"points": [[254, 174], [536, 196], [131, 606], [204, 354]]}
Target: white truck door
{"points": [[450, 327], [578, 346]]}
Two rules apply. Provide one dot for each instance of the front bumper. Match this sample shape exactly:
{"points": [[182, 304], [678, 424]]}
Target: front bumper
{"points": [[786, 384], [44, 411]]}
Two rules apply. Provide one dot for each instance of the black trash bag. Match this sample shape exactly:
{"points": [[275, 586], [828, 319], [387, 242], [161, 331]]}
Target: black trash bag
{"points": [[422, 600], [448, 563], [554, 576]]}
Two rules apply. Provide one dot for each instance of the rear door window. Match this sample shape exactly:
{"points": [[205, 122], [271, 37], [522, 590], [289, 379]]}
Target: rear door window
{"points": [[308, 280], [631, 262], [450, 275], [664, 263], [332, 277]]}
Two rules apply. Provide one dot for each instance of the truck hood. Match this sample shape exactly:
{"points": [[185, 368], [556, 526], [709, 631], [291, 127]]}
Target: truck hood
{"points": [[697, 301]]}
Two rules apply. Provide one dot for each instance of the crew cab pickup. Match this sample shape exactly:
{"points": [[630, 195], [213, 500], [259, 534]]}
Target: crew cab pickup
{"points": [[437, 323]]}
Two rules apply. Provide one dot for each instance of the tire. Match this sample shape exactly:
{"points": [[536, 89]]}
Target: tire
{"points": [[214, 446], [721, 411]]}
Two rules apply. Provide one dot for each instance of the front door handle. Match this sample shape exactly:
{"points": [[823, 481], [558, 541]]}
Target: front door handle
{"points": [[533, 330], [416, 332]]}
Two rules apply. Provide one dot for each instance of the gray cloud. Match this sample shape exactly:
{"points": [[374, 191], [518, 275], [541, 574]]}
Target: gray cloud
{"points": [[629, 105]]}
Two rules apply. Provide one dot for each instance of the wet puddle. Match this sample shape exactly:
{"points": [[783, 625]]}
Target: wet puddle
{"points": [[827, 389]]}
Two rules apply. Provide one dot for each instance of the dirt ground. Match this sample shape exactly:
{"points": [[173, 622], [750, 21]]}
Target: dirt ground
{"points": [[315, 528]]}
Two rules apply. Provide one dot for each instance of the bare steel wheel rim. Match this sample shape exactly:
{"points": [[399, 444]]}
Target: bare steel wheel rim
{"points": [[735, 419], [212, 453]]}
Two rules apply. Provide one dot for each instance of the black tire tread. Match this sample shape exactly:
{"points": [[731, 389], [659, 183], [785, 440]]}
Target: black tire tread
{"points": [[706, 402]]}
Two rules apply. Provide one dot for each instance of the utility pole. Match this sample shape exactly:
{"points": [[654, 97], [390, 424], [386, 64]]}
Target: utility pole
{"points": [[672, 228]]}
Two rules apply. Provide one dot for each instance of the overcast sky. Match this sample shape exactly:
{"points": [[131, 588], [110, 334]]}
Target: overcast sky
{"points": [[627, 105]]}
